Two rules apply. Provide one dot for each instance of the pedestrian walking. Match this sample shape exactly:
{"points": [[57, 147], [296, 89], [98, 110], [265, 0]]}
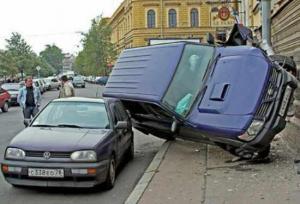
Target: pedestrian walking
{"points": [[67, 89], [29, 98]]}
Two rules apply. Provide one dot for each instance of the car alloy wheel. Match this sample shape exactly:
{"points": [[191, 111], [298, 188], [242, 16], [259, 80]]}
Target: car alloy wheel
{"points": [[5, 107], [111, 175]]}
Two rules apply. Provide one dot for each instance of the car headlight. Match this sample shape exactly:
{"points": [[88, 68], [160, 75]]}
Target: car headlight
{"points": [[14, 153], [84, 156], [252, 131]]}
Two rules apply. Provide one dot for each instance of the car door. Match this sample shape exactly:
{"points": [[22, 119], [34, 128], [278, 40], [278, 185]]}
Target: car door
{"points": [[127, 137], [2, 97], [122, 134]]}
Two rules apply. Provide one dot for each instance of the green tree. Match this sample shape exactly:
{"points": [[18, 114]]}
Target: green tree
{"points": [[24, 58], [97, 50], [52, 56], [8, 66]]}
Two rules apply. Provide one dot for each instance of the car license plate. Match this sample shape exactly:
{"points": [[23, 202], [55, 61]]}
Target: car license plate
{"points": [[46, 173], [285, 101]]}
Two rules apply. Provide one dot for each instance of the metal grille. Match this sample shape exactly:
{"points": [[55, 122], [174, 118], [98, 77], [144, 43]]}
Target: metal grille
{"points": [[52, 154], [269, 96]]}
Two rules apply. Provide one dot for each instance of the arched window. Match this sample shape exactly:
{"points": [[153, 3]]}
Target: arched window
{"points": [[194, 18], [151, 19], [172, 18]]}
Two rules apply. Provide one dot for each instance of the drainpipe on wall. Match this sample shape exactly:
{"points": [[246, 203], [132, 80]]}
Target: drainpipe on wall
{"points": [[161, 18], [266, 27]]}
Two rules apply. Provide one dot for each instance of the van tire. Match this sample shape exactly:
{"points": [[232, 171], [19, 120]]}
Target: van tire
{"points": [[286, 62]]}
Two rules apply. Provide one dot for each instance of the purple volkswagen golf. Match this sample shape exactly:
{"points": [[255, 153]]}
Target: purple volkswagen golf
{"points": [[73, 142]]}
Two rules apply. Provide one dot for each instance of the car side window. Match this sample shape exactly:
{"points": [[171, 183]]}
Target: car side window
{"points": [[119, 113]]}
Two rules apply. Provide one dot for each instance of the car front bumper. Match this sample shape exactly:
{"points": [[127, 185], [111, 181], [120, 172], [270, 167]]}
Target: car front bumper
{"points": [[69, 180]]}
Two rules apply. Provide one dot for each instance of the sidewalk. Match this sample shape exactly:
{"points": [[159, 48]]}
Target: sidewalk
{"points": [[198, 173]]}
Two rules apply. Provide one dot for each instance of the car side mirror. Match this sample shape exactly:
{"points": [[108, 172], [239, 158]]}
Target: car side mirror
{"points": [[122, 125], [27, 122]]}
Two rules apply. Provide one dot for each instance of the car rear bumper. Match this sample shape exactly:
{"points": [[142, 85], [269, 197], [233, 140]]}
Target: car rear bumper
{"points": [[70, 179]]}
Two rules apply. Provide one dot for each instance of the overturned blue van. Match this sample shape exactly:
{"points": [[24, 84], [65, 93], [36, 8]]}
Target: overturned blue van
{"points": [[231, 96]]}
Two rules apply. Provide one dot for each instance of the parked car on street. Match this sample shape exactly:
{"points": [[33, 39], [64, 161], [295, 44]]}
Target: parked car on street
{"points": [[39, 84], [54, 83], [4, 100], [78, 82], [13, 90], [235, 97], [102, 80], [72, 142], [47, 84]]}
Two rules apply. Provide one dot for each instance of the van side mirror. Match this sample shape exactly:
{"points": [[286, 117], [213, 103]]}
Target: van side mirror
{"points": [[210, 39], [122, 125]]}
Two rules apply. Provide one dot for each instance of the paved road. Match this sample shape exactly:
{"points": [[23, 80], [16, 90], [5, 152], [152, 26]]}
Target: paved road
{"points": [[145, 146]]}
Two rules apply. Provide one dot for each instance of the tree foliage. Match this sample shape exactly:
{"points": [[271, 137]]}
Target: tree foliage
{"points": [[18, 57], [24, 58], [53, 57], [97, 50]]}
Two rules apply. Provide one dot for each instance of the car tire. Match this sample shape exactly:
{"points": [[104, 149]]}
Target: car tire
{"points": [[286, 62], [130, 151], [5, 107], [111, 174], [246, 155]]}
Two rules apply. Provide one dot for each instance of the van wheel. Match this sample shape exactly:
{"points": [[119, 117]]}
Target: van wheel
{"points": [[247, 155], [111, 174], [5, 107]]}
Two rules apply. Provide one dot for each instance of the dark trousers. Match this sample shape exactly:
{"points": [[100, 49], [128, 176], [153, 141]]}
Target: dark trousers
{"points": [[30, 111]]}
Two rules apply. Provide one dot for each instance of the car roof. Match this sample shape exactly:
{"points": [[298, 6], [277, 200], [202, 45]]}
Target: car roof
{"points": [[79, 99]]}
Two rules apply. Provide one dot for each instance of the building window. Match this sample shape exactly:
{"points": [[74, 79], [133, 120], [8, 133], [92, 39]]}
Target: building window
{"points": [[151, 19], [172, 18], [194, 18]]}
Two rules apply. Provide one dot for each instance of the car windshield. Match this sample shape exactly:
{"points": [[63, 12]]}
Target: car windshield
{"points": [[188, 78], [88, 115], [77, 79], [11, 87]]}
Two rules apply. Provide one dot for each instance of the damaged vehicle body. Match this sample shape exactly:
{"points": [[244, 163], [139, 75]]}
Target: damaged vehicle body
{"points": [[235, 97]]}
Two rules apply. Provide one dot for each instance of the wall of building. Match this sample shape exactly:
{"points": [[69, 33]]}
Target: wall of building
{"points": [[129, 22], [286, 30]]}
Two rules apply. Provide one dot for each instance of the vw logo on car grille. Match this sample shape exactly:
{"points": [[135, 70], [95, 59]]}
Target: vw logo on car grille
{"points": [[47, 155]]}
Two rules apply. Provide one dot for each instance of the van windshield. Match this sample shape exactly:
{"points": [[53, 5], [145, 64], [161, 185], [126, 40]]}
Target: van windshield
{"points": [[188, 78]]}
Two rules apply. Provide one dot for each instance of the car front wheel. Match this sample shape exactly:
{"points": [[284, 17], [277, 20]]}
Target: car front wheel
{"points": [[130, 151], [111, 174], [5, 107]]}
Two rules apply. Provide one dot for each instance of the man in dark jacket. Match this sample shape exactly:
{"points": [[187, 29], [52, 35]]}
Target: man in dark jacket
{"points": [[29, 99]]}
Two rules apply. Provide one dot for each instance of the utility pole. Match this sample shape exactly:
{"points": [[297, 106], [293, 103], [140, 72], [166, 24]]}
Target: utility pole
{"points": [[266, 26]]}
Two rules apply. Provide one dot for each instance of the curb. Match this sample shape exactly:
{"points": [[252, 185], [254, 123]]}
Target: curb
{"points": [[143, 183]]}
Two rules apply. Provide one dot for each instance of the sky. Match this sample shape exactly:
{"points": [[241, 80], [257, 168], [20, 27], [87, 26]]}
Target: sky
{"points": [[58, 22]]}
